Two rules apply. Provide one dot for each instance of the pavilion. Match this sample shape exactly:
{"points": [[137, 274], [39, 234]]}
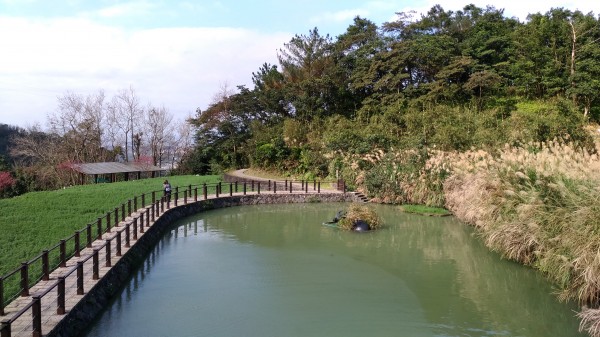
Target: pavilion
{"points": [[109, 171]]}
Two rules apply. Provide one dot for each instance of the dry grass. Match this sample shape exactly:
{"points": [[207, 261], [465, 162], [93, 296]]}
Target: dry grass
{"points": [[360, 212], [590, 321], [538, 204]]}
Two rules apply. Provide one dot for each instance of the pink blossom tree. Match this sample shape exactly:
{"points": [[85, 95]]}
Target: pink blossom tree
{"points": [[6, 181]]}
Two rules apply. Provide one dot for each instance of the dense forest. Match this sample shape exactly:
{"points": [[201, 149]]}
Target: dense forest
{"points": [[452, 80]]}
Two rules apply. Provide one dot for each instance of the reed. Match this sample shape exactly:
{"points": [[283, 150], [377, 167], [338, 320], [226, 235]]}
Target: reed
{"points": [[537, 204], [590, 321]]}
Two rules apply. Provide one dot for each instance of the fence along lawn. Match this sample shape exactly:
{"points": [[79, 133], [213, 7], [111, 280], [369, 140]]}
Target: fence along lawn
{"points": [[36, 221]]}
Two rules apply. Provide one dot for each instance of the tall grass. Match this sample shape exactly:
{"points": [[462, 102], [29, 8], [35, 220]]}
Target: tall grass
{"points": [[537, 204], [399, 177], [36, 221]]}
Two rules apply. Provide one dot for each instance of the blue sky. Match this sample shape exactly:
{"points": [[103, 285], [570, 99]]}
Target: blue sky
{"points": [[175, 54]]}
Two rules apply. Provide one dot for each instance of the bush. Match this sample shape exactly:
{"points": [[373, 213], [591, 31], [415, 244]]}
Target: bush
{"points": [[541, 121], [405, 177], [7, 183]]}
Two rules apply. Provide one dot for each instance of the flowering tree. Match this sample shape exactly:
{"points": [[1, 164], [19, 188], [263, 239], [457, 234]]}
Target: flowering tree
{"points": [[6, 181]]}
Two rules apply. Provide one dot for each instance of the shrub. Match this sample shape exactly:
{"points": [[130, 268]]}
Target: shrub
{"points": [[7, 184]]}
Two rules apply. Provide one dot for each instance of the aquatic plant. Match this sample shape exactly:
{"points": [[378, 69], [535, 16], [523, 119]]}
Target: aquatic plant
{"points": [[424, 210]]}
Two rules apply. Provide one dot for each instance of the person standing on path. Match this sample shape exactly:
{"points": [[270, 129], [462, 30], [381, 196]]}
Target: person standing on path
{"points": [[167, 191]]}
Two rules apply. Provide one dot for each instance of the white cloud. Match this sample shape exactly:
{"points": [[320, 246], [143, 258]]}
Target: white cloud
{"points": [[519, 9], [179, 68], [134, 8], [340, 16]]}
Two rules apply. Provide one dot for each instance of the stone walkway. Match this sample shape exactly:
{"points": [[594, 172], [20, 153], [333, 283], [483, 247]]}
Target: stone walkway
{"points": [[22, 326]]}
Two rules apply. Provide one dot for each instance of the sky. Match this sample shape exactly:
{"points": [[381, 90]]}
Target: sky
{"points": [[173, 53]]}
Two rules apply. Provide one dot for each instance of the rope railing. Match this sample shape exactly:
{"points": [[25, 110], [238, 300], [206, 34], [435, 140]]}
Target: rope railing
{"points": [[115, 231]]}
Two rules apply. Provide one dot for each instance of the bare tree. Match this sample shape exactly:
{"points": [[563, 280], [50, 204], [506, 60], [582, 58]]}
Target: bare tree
{"points": [[113, 130], [184, 142], [127, 115], [78, 121], [95, 113], [159, 132]]}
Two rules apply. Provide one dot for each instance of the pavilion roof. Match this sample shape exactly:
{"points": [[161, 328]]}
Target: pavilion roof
{"points": [[114, 167]]}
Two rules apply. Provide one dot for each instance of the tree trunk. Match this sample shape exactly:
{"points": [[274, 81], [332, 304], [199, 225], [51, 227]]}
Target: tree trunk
{"points": [[574, 40]]}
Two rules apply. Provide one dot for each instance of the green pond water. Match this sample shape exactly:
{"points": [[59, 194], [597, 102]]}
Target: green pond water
{"points": [[275, 270]]}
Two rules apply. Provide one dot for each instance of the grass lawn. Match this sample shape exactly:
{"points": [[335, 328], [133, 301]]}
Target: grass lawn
{"points": [[36, 221]]}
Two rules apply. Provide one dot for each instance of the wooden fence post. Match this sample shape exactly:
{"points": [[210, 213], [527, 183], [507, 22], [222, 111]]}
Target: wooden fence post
{"points": [[135, 229], [95, 266], [24, 279], [60, 296], [63, 254], [1, 296], [119, 243], [45, 266], [89, 235], [99, 229], [77, 244], [5, 329], [79, 278], [108, 222], [108, 257], [36, 313]]}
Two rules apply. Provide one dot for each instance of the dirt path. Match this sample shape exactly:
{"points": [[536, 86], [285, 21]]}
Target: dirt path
{"points": [[241, 173]]}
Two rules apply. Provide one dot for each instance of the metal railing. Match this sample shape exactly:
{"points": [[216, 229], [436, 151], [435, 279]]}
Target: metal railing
{"points": [[117, 233]]}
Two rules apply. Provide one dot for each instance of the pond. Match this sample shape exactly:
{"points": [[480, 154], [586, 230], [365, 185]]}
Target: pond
{"points": [[275, 270]]}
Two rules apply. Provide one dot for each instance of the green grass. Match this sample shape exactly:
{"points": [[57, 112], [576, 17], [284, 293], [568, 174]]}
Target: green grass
{"points": [[36, 221], [425, 210]]}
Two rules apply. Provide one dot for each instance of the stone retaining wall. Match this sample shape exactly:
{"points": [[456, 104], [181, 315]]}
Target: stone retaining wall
{"points": [[97, 298]]}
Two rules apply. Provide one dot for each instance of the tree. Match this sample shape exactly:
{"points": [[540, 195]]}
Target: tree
{"points": [[267, 100], [40, 155], [7, 132], [184, 140], [78, 121], [542, 54], [305, 62], [6, 181], [585, 60], [159, 132], [222, 127], [355, 51], [127, 115]]}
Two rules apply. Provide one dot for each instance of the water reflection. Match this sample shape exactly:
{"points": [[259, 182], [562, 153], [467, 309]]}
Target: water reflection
{"points": [[275, 270]]}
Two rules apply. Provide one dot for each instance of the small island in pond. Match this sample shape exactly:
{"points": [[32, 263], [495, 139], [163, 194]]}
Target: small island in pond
{"points": [[358, 218]]}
